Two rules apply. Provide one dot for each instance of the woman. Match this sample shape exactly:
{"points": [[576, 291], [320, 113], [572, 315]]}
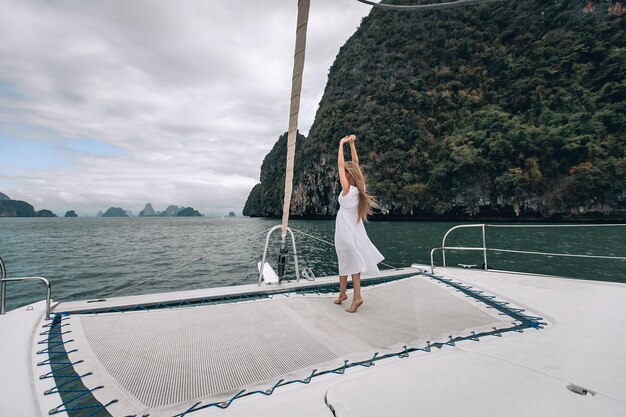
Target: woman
{"points": [[355, 252]]}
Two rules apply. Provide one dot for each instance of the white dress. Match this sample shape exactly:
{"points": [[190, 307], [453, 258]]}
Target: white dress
{"points": [[355, 251]]}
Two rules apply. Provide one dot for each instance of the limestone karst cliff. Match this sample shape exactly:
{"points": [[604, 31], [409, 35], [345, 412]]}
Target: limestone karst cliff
{"points": [[500, 110]]}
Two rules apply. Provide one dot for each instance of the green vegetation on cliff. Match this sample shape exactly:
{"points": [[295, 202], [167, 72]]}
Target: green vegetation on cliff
{"points": [[501, 109], [266, 198]]}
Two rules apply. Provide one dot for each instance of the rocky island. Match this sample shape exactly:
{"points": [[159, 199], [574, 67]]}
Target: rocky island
{"points": [[507, 112], [45, 213], [188, 212], [18, 208], [115, 212]]}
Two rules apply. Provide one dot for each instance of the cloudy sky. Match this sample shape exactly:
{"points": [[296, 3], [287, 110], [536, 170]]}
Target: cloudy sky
{"points": [[117, 103]]}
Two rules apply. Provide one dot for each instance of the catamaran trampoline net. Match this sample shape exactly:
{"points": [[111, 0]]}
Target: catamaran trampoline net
{"points": [[153, 360]]}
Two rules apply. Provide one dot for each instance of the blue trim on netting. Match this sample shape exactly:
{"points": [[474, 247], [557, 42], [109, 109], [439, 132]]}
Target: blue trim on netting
{"points": [[50, 358], [43, 342], [306, 380], [54, 345], [59, 408], [98, 408], [222, 405], [66, 317], [269, 391], [51, 374], [369, 363], [72, 391], [49, 331], [56, 390]]}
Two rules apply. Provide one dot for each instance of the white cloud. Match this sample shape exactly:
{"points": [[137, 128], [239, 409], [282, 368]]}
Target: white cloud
{"points": [[195, 92]]}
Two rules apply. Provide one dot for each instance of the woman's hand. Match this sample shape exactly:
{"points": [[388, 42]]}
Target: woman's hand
{"points": [[345, 139], [352, 138]]}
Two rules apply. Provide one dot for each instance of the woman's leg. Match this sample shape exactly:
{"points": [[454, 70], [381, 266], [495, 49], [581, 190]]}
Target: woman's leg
{"points": [[356, 298], [343, 287]]}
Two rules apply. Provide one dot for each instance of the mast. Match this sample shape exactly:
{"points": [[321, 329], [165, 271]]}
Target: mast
{"points": [[294, 109]]}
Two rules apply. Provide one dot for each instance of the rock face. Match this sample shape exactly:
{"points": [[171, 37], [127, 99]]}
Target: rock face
{"points": [[4, 197], [45, 213], [147, 211], [16, 208], [171, 210], [70, 213], [266, 198], [498, 110], [115, 212], [188, 212]]}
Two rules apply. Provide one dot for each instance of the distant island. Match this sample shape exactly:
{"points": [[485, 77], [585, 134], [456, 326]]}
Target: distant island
{"points": [[170, 211], [115, 212], [188, 212], [147, 211], [18, 208], [45, 213]]}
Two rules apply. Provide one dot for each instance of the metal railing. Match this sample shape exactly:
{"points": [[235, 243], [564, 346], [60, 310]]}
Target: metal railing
{"points": [[3, 288], [295, 253], [484, 247]]}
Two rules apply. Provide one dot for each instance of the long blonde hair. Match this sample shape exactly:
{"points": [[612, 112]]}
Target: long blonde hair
{"points": [[367, 203]]}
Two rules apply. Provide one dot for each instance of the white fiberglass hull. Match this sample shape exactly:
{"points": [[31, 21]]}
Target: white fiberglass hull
{"points": [[523, 372]]}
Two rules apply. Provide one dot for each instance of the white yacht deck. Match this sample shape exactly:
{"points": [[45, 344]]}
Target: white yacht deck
{"points": [[193, 361]]}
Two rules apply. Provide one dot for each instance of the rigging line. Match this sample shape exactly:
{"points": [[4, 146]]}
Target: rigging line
{"points": [[555, 225], [332, 244], [571, 255], [188, 262], [435, 6]]}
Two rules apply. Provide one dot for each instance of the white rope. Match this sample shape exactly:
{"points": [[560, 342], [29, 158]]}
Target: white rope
{"points": [[294, 108], [622, 258], [331, 244], [188, 262], [434, 6], [555, 225]]}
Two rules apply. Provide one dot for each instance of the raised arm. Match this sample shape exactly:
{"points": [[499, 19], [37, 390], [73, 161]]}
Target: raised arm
{"points": [[355, 156], [345, 184]]}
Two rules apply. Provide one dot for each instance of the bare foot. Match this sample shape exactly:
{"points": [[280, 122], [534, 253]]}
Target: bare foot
{"points": [[341, 299], [355, 306]]}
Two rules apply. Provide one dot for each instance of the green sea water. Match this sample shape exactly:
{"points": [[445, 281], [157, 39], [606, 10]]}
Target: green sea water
{"points": [[95, 257]]}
